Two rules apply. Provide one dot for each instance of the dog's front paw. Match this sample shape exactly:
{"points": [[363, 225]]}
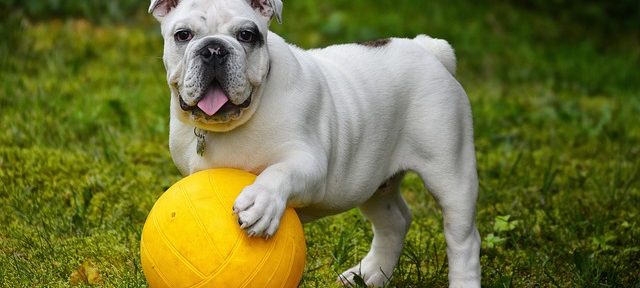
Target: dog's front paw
{"points": [[259, 210]]}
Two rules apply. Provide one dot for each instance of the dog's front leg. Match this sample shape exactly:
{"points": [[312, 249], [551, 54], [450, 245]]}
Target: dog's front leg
{"points": [[390, 218], [260, 206]]}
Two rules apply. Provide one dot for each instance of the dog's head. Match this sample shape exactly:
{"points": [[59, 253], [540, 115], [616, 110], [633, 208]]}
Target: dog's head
{"points": [[216, 57]]}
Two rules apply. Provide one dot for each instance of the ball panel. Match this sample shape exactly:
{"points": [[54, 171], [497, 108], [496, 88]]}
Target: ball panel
{"points": [[165, 261], [271, 275], [297, 248], [297, 265], [211, 205], [150, 270], [185, 234], [286, 262], [288, 271], [228, 184], [243, 263], [266, 271]]}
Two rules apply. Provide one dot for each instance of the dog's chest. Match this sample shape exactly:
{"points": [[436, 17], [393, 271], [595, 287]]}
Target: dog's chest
{"points": [[217, 151]]}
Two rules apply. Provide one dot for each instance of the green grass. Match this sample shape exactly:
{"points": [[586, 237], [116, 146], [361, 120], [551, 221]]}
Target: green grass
{"points": [[84, 126]]}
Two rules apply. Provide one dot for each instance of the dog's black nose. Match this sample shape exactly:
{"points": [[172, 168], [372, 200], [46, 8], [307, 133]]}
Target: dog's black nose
{"points": [[214, 53]]}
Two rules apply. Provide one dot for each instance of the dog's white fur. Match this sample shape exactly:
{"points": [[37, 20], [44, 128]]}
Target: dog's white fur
{"points": [[332, 129]]}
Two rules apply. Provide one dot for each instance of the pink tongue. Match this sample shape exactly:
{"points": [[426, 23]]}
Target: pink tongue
{"points": [[213, 101]]}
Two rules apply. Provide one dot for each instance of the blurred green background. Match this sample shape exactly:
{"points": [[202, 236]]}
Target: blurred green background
{"points": [[554, 85]]}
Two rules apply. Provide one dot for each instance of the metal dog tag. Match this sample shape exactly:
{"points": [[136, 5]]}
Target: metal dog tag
{"points": [[201, 145]]}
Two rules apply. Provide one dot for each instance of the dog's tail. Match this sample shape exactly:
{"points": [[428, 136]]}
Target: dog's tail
{"points": [[441, 49]]}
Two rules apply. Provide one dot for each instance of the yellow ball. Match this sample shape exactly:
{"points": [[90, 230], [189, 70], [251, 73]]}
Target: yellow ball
{"points": [[192, 239]]}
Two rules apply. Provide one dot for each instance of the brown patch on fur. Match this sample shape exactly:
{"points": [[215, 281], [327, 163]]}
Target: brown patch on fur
{"points": [[376, 43]]}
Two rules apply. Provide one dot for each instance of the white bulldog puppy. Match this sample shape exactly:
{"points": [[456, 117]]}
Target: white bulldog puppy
{"points": [[325, 130]]}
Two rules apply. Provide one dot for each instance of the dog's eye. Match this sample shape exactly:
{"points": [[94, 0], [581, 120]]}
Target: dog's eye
{"points": [[183, 35], [246, 36]]}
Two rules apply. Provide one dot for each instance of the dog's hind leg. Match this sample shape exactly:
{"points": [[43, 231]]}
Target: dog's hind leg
{"points": [[390, 218], [452, 180]]}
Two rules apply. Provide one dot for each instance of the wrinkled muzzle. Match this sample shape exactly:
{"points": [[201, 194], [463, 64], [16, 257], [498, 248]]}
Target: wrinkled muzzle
{"points": [[215, 86]]}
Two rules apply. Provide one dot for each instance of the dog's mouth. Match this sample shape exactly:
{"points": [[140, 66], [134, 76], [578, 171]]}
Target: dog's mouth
{"points": [[215, 104]]}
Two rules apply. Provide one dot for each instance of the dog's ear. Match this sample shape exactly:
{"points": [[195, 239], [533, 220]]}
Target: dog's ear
{"points": [[160, 8], [268, 8]]}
